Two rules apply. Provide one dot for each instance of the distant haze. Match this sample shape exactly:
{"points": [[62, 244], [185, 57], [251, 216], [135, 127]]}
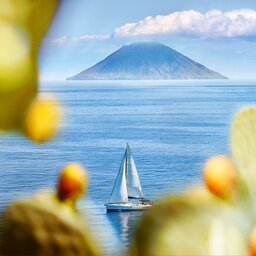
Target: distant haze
{"points": [[146, 61]]}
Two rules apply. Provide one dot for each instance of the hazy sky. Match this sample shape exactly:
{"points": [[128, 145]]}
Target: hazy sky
{"points": [[220, 34]]}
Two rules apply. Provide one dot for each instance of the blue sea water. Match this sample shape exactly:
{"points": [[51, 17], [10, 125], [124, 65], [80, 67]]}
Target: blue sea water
{"points": [[171, 126]]}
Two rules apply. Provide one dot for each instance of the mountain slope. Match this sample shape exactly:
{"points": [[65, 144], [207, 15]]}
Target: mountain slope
{"points": [[146, 61]]}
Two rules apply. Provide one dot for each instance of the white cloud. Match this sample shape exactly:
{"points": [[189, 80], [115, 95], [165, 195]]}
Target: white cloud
{"points": [[214, 23], [65, 39], [57, 41], [91, 38]]}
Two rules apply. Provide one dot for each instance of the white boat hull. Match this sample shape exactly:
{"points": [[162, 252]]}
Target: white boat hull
{"points": [[127, 207]]}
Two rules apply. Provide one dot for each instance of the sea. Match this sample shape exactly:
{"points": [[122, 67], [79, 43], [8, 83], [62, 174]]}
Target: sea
{"points": [[172, 127]]}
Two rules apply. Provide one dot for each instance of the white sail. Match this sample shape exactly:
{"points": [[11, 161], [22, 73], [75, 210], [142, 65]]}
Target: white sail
{"points": [[119, 192], [133, 182]]}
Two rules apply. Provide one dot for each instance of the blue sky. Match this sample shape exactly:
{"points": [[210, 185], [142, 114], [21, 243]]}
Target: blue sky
{"points": [[219, 34]]}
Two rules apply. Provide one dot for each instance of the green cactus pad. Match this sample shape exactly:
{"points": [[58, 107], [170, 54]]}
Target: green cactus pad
{"points": [[192, 224], [243, 144], [44, 226]]}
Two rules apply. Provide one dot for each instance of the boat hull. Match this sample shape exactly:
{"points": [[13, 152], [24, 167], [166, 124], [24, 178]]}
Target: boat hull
{"points": [[127, 207]]}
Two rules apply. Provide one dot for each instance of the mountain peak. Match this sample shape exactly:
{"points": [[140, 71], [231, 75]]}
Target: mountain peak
{"points": [[146, 60]]}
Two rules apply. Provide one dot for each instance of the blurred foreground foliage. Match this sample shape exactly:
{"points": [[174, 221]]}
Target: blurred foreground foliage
{"points": [[216, 220], [49, 223], [23, 23]]}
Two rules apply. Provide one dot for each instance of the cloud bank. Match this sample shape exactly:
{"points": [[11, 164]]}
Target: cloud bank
{"points": [[214, 23]]}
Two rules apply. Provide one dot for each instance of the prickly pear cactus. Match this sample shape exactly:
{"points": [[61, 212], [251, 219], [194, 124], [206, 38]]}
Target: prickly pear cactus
{"points": [[48, 225], [44, 227], [23, 24], [218, 219]]}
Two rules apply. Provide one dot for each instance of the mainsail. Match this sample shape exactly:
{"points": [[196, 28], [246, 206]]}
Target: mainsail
{"points": [[133, 182], [119, 192], [127, 184]]}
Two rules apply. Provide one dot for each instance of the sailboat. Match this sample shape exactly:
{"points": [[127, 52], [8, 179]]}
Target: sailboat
{"points": [[127, 187]]}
